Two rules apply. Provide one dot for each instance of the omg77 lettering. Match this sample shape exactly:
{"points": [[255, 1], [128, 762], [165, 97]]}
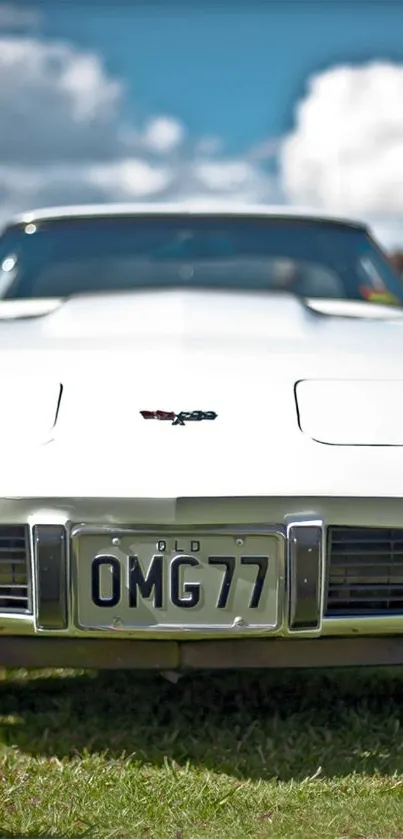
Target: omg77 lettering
{"points": [[183, 595]]}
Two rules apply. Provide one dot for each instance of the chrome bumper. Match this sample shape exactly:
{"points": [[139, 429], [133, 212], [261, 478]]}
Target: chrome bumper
{"points": [[301, 524]]}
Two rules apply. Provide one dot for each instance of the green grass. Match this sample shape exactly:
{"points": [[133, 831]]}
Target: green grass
{"points": [[260, 756]]}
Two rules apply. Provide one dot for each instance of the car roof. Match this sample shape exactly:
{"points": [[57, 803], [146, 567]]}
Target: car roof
{"points": [[178, 208]]}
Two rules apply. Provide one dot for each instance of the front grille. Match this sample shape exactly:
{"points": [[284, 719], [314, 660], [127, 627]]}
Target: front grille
{"points": [[14, 568], [365, 576]]}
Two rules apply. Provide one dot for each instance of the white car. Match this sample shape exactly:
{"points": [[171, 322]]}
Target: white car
{"points": [[201, 436]]}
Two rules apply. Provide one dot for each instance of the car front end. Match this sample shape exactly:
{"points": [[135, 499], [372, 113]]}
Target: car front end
{"points": [[234, 501], [199, 468]]}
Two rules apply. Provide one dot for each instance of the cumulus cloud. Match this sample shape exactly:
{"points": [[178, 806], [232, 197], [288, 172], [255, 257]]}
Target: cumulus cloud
{"points": [[164, 134], [63, 138], [129, 178], [56, 103], [345, 153], [239, 179]]}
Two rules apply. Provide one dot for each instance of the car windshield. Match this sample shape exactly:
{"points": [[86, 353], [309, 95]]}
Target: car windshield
{"points": [[313, 259]]}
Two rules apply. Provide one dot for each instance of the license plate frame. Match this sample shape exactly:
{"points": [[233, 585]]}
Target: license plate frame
{"points": [[113, 540]]}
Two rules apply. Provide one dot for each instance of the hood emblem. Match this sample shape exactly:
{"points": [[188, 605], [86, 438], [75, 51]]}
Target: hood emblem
{"points": [[181, 418]]}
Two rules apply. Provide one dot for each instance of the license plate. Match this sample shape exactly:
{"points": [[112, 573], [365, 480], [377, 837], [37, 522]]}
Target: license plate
{"points": [[177, 580]]}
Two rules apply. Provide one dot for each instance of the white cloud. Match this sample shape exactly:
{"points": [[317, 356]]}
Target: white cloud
{"points": [[56, 103], [163, 134], [129, 179], [227, 177], [63, 138], [238, 179], [346, 151]]}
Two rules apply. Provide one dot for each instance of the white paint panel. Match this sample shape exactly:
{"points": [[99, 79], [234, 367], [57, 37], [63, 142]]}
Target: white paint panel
{"points": [[28, 409], [352, 412]]}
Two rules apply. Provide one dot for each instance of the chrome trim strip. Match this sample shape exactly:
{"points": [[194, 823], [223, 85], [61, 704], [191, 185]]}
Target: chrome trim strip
{"points": [[51, 575], [381, 625], [31, 566], [292, 530]]}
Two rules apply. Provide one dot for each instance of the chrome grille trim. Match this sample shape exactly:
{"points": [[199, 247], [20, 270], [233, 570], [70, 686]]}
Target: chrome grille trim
{"points": [[15, 569], [364, 572]]}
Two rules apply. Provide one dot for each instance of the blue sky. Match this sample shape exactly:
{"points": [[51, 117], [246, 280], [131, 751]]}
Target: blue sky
{"points": [[296, 102], [227, 71]]}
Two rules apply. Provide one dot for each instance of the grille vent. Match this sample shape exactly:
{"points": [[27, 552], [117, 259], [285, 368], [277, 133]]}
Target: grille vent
{"points": [[365, 575], [14, 569]]}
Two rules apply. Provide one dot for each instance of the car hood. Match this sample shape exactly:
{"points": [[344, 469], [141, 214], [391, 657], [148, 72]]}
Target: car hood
{"points": [[306, 404]]}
